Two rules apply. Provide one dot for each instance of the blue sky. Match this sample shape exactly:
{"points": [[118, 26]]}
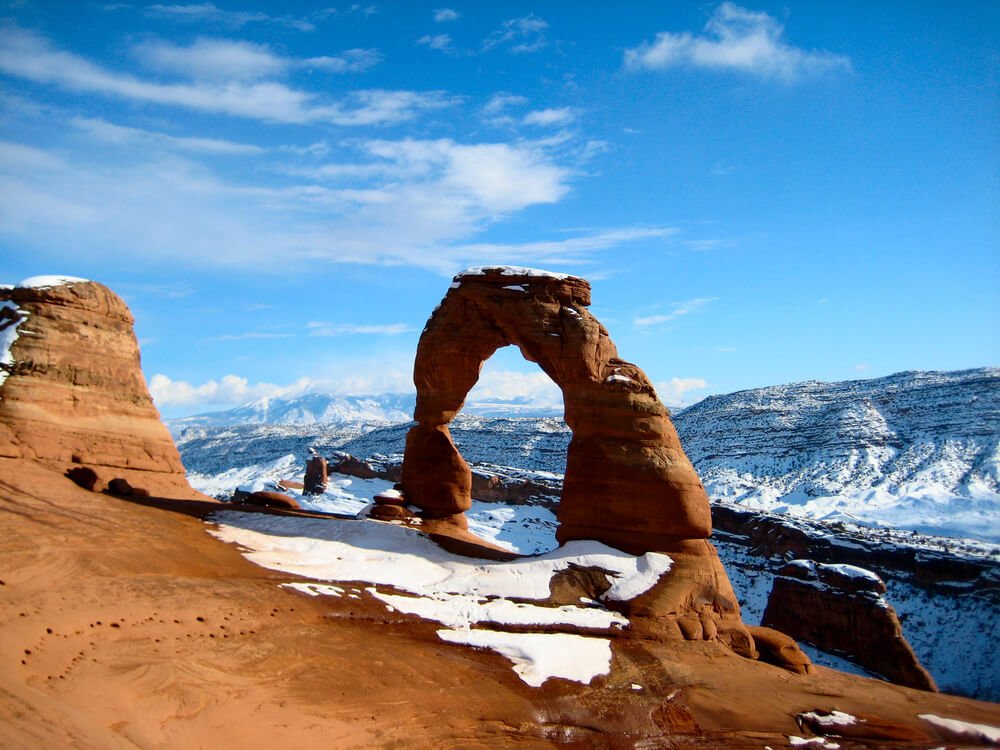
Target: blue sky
{"points": [[759, 193]]}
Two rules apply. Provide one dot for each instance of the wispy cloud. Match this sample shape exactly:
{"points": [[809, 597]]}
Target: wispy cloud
{"points": [[120, 134], [222, 59], [735, 39], [27, 55], [572, 248], [440, 42], [520, 35], [318, 328], [550, 117], [498, 103], [414, 202], [680, 309], [442, 15], [209, 13]]}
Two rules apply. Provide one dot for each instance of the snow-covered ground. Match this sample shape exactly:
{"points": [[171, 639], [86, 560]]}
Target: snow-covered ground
{"points": [[408, 573], [954, 641], [526, 529]]}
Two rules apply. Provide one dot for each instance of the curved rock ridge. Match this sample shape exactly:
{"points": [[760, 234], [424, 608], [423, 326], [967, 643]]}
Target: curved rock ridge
{"points": [[628, 482], [75, 395]]}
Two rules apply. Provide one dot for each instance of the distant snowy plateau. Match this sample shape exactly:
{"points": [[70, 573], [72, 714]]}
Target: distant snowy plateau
{"points": [[916, 451]]}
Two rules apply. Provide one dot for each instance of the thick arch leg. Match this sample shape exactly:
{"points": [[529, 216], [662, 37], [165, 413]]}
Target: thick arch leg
{"points": [[435, 476]]}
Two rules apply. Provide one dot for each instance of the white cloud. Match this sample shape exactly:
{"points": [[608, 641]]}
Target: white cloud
{"points": [[234, 390], [680, 309], [27, 55], [441, 42], [382, 202], [531, 388], [491, 178], [525, 34], [211, 59], [735, 39], [119, 134], [209, 13], [229, 390], [550, 117], [225, 60], [349, 61], [570, 249], [673, 392], [318, 328], [500, 102], [441, 15]]}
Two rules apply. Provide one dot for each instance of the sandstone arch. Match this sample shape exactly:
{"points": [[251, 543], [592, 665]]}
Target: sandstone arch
{"points": [[628, 482]]}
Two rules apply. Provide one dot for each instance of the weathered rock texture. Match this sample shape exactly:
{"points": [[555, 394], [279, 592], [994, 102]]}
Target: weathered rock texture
{"points": [[628, 482], [315, 480], [75, 395], [842, 608]]}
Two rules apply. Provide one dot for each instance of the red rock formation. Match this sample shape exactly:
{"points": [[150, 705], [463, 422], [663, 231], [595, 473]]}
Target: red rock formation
{"points": [[75, 396], [628, 482], [316, 476], [348, 464], [842, 608], [271, 500]]}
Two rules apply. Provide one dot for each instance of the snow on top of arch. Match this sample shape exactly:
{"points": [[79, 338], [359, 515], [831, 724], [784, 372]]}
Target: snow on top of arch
{"points": [[513, 271], [46, 282]]}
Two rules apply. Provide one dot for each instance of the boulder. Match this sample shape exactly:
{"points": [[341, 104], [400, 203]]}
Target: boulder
{"points": [[388, 512], [389, 497], [354, 467], [271, 500], [72, 392], [85, 477], [780, 650], [120, 486], [842, 608]]}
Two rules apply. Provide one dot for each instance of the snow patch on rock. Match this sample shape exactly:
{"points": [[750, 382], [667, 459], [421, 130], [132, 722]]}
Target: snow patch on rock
{"points": [[47, 282], [11, 316], [456, 591]]}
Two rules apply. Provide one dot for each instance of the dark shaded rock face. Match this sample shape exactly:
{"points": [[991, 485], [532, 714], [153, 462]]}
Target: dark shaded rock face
{"points": [[628, 482], [75, 396], [316, 476], [841, 608]]}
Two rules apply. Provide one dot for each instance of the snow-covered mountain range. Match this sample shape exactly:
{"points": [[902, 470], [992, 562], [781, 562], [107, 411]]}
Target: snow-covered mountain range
{"points": [[307, 409], [916, 450], [328, 408]]}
